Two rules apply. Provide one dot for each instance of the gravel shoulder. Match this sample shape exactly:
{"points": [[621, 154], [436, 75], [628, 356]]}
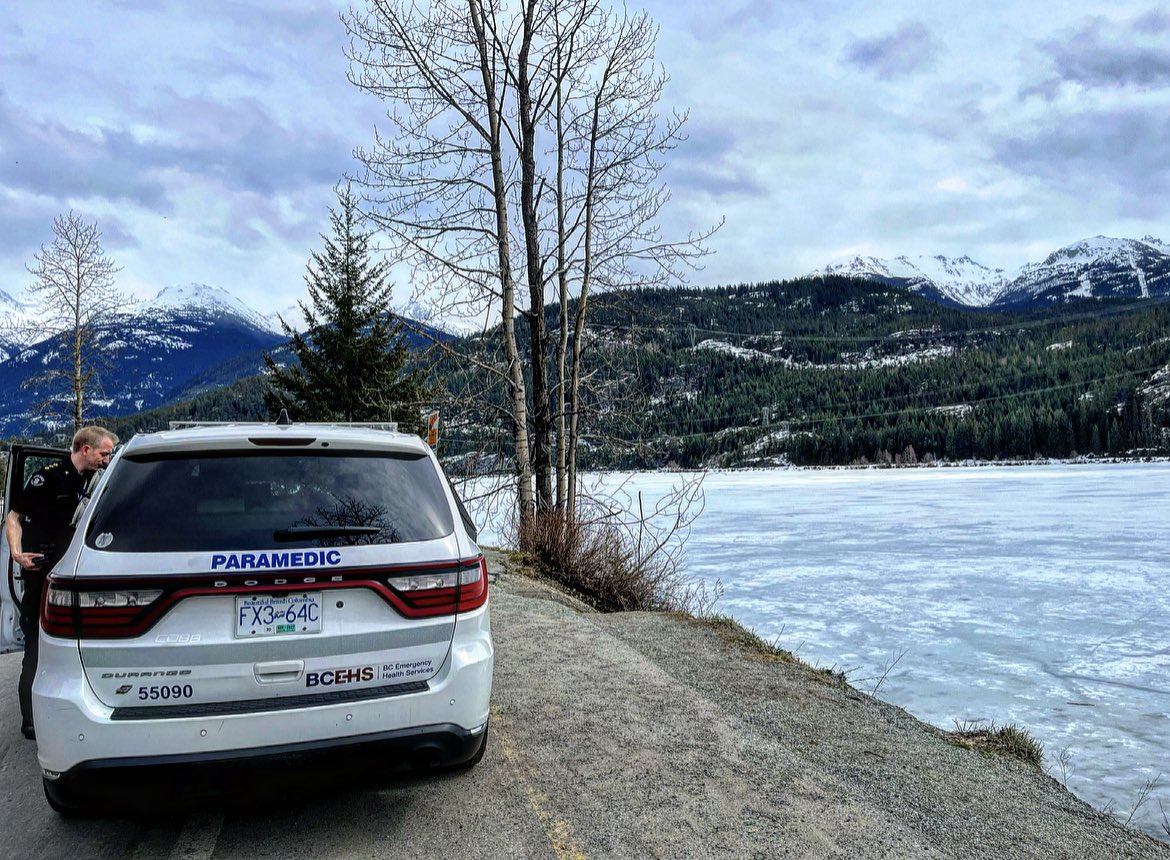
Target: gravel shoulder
{"points": [[650, 735]]}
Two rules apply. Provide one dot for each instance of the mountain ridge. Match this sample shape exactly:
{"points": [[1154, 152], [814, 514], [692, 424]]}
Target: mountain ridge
{"points": [[1097, 267], [160, 347], [187, 339]]}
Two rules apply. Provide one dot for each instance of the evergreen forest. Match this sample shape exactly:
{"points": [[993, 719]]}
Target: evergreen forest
{"points": [[815, 371], [821, 371]]}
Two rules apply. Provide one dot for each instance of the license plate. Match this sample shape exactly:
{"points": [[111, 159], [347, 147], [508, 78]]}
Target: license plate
{"points": [[278, 614]]}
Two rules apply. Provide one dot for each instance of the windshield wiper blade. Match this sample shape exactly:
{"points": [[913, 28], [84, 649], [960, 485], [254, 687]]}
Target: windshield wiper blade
{"points": [[309, 532]]}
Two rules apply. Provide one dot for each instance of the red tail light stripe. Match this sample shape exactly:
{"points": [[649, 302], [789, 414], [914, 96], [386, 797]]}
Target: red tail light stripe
{"points": [[126, 622]]}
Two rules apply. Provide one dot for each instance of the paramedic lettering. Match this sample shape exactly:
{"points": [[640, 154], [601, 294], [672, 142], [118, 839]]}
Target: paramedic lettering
{"points": [[275, 560]]}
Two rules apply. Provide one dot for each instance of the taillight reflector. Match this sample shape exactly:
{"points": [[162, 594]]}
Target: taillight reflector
{"points": [[443, 592], [74, 613]]}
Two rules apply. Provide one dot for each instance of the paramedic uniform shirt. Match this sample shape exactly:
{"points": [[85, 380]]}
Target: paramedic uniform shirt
{"points": [[47, 506]]}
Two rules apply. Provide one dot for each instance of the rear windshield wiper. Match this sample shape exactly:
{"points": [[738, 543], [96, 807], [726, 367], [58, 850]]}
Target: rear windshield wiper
{"points": [[308, 532]]}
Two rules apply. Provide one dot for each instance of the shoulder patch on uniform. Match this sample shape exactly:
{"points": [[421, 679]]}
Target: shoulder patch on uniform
{"points": [[36, 480]]}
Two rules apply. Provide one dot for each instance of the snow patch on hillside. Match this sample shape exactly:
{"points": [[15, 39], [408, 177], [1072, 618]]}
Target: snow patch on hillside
{"points": [[851, 361], [736, 351]]}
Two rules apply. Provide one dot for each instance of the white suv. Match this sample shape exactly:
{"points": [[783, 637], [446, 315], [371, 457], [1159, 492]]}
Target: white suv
{"points": [[261, 594]]}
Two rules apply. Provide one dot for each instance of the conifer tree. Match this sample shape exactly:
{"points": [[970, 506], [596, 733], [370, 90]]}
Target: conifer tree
{"points": [[352, 353]]}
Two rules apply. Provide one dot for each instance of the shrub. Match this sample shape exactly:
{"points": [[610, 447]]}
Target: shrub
{"points": [[607, 563]]}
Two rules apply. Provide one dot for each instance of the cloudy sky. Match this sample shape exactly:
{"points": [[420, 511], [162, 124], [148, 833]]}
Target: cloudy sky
{"points": [[205, 137]]}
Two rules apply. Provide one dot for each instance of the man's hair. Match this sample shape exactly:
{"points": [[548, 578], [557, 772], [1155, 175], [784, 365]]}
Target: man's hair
{"points": [[92, 436]]}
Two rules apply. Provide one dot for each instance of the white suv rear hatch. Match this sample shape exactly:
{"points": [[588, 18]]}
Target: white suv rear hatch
{"points": [[277, 575]]}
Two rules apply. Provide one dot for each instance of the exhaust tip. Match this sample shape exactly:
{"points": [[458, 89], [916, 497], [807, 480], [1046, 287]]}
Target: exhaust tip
{"points": [[426, 757]]}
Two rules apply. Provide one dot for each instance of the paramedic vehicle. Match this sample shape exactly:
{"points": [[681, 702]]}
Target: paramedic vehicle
{"points": [[258, 595]]}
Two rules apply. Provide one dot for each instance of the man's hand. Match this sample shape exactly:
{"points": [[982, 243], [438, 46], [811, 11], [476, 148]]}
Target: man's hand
{"points": [[29, 560]]}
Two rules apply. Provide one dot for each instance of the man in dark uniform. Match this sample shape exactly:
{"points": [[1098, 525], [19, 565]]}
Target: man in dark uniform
{"points": [[39, 528]]}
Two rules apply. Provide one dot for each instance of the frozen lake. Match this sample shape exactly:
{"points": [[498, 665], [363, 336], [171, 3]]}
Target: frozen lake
{"points": [[1035, 595]]}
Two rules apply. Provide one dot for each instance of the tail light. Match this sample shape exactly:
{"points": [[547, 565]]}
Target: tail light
{"points": [[113, 608], [442, 592], [70, 611]]}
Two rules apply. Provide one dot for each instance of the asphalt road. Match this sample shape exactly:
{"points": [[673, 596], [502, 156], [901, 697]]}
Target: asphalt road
{"points": [[448, 816], [620, 736]]}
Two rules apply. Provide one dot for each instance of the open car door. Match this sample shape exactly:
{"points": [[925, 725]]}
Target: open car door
{"points": [[23, 462]]}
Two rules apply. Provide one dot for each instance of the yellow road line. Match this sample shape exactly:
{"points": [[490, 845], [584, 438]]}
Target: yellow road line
{"points": [[560, 834]]}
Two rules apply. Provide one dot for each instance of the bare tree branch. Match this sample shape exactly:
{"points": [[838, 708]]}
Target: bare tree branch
{"points": [[75, 299]]}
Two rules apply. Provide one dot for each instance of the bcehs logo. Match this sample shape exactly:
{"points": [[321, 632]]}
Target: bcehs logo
{"points": [[335, 677]]}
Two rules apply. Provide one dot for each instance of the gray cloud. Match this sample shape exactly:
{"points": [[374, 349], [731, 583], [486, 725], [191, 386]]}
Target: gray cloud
{"points": [[26, 224], [224, 64], [50, 159], [906, 50], [1106, 54], [705, 162], [1118, 150], [246, 149], [117, 234], [1156, 22], [237, 146], [267, 35], [717, 21]]}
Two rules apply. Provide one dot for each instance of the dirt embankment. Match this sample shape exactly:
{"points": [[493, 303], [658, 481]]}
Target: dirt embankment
{"points": [[649, 735]]}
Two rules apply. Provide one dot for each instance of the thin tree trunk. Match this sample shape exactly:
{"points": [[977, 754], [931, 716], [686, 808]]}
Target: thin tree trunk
{"points": [[583, 300], [563, 290], [538, 333], [516, 388], [78, 341]]}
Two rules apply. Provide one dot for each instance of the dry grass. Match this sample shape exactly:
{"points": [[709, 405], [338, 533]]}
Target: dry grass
{"points": [[733, 631], [1009, 740]]}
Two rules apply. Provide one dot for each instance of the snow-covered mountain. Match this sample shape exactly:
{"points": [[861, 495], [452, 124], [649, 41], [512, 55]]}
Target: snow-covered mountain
{"points": [[202, 300], [186, 338], [1100, 267], [960, 281]]}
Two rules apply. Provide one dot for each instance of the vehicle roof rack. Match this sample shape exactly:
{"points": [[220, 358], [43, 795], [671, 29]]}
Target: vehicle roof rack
{"points": [[389, 426]]}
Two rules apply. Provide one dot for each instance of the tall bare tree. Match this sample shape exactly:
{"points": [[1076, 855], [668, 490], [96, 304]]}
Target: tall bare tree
{"points": [[609, 195], [74, 297], [438, 182], [521, 156]]}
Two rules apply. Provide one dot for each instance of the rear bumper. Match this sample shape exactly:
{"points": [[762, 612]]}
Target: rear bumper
{"points": [[78, 733], [254, 773]]}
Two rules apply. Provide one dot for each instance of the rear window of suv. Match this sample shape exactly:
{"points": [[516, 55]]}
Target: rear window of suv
{"points": [[259, 501]]}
